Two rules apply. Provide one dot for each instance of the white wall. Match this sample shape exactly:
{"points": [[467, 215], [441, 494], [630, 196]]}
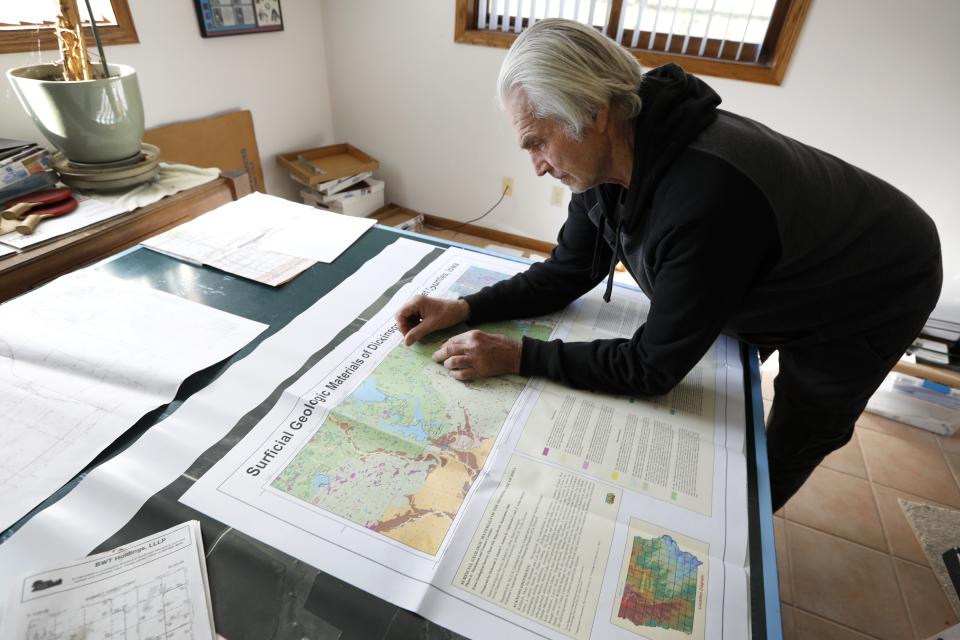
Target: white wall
{"points": [[869, 83], [279, 76], [398, 87]]}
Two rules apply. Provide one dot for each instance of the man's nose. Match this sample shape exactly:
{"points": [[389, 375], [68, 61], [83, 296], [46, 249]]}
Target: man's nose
{"points": [[540, 165]]}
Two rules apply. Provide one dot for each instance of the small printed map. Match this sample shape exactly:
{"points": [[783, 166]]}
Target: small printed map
{"points": [[661, 585], [399, 455]]}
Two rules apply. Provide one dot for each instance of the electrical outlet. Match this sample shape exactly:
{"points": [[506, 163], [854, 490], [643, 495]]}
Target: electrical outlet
{"points": [[556, 196], [507, 187]]}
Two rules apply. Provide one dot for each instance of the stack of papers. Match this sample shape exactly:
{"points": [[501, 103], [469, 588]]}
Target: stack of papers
{"points": [[155, 587], [261, 237], [24, 167]]}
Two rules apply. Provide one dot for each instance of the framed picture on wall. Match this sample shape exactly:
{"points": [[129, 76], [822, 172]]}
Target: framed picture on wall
{"points": [[234, 17]]}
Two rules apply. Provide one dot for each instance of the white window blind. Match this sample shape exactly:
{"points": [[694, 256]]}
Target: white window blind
{"points": [[718, 28], [18, 14], [515, 15]]}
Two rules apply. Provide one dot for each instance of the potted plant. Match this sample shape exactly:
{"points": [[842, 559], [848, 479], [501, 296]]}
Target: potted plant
{"points": [[93, 114]]}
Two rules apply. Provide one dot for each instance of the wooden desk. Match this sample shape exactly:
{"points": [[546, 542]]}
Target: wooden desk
{"points": [[34, 266]]}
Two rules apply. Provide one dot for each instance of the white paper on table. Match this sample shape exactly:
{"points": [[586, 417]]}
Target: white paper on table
{"points": [[262, 237], [89, 211], [81, 360], [155, 587], [112, 493], [317, 235], [5, 250], [208, 238]]}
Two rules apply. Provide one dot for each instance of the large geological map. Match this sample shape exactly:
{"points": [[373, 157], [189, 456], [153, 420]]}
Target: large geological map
{"points": [[399, 455]]}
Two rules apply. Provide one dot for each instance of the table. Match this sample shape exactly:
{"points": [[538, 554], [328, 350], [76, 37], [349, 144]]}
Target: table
{"points": [[41, 263], [260, 592]]}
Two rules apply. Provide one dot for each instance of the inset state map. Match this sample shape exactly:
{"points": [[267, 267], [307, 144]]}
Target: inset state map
{"points": [[399, 455], [663, 582]]}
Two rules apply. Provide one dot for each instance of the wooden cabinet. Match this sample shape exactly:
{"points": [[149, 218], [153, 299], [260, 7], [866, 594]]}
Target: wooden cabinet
{"points": [[34, 266]]}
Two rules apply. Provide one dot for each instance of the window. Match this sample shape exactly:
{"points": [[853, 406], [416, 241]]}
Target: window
{"points": [[27, 25], [742, 39]]}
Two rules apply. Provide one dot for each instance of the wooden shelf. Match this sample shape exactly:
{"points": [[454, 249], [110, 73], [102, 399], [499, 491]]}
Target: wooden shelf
{"points": [[933, 374], [32, 267]]}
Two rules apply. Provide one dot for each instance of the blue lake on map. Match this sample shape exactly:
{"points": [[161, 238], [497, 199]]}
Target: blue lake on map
{"points": [[368, 392], [416, 430], [320, 480]]}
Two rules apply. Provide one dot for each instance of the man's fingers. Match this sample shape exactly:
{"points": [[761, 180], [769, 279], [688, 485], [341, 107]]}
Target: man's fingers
{"points": [[405, 323], [421, 316], [452, 347], [457, 362], [409, 315], [442, 353], [417, 332], [425, 327], [474, 354], [464, 374]]}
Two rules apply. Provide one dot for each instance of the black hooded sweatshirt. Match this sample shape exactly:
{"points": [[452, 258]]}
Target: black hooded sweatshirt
{"points": [[728, 227]]}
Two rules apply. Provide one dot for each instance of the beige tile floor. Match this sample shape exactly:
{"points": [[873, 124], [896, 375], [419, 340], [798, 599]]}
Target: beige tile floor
{"points": [[850, 566]]}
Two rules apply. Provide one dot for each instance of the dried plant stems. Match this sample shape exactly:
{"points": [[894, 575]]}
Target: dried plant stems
{"points": [[96, 36], [76, 62]]}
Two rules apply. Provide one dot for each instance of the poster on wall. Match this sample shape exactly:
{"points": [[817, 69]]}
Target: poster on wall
{"points": [[234, 17]]}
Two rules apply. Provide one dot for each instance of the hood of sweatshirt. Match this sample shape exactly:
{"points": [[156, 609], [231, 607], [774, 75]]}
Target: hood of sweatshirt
{"points": [[676, 108]]}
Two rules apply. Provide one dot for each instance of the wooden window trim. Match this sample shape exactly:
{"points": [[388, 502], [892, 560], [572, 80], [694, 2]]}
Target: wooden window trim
{"points": [[43, 38], [771, 67]]}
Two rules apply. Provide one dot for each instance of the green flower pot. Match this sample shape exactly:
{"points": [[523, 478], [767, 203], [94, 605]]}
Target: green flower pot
{"points": [[88, 120]]}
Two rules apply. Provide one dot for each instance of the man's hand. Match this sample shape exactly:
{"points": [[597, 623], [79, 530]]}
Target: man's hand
{"points": [[421, 316], [476, 354]]}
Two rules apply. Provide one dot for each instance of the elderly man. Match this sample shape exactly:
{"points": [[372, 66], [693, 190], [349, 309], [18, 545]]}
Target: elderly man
{"points": [[728, 226]]}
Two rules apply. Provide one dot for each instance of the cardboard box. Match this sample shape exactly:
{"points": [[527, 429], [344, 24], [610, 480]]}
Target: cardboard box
{"points": [[360, 206], [227, 142], [326, 164], [312, 198], [362, 188], [341, 184]]}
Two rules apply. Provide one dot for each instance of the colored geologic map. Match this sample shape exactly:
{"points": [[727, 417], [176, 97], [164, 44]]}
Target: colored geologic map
{"points": [[661, 585], [399, 455]]}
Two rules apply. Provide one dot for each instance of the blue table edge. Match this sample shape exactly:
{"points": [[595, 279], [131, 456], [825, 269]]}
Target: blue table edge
{"points": [[771, 582]]}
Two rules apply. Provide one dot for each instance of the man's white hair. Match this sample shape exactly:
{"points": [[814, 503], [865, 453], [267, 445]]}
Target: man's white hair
{"points": [[569, 71]]}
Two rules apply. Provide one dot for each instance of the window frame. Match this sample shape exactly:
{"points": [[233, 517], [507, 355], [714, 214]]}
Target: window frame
{"points": [[770, 68], [33, 38]]}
